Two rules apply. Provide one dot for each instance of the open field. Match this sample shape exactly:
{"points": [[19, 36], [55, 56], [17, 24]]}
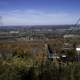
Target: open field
{"points": [[28, 45]]}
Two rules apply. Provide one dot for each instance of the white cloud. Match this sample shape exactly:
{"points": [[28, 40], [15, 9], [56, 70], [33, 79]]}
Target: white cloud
{"points": [[34, 17]]}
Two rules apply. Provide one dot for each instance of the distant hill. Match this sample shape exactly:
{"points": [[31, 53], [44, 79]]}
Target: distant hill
{"points": [[36, 26]]}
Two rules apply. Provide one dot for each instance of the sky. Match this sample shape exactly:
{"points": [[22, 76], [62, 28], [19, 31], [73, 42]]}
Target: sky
{"points": [[39, 12]]}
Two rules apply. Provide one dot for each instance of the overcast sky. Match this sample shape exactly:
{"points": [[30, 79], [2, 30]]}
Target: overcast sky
{"points": [[39, 12]]}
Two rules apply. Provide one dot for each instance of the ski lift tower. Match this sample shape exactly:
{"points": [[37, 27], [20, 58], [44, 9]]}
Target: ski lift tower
{"points": [[72, 34]]}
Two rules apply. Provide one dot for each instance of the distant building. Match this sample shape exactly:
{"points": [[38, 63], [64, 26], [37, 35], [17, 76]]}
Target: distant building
{"points": [[78, 49], [67, 46], [14, 32], [70, 36]]}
